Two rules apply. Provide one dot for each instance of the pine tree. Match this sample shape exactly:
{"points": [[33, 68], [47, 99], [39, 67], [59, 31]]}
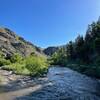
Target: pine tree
{"points": [[97, 45], [70, 50], [80, 47]]}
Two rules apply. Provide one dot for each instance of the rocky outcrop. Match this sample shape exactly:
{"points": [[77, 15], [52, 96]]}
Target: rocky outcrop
{"points": [[11, 43]]}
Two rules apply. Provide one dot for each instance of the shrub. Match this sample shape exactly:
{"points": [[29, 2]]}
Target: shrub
{"points": [[17, 68], [93, 71], [4, 62], [36, 65], [16, 58], [1, 55], [32, 65], [20, 69]]}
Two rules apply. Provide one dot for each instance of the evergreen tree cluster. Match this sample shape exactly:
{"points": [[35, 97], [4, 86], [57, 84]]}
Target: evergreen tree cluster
{"points": [[84, 50]]}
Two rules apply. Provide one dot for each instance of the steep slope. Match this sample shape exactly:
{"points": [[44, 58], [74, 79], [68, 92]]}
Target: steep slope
{"points": [[11, 43]]}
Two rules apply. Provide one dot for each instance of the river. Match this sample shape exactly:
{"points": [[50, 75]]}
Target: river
{"points": [[60, 84]]}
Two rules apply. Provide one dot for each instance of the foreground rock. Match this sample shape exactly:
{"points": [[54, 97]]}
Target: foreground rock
{"points": [[60, 84]]}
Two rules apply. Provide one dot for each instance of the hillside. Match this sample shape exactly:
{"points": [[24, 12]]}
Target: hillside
{"points": [[11, 43], [50, 50]]}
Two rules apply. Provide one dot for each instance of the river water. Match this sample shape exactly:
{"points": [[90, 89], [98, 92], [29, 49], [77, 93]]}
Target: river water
{"points": [[65, 84], [60, 84]]}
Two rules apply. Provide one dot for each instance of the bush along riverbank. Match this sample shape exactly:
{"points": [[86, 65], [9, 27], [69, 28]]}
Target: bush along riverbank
{"points": [[33, 65]]}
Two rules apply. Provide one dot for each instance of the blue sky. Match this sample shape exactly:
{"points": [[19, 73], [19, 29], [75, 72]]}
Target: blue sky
{"points": [[48, 22]]}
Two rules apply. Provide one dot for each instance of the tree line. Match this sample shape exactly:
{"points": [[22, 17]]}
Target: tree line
{"points": [[83, 51]]}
